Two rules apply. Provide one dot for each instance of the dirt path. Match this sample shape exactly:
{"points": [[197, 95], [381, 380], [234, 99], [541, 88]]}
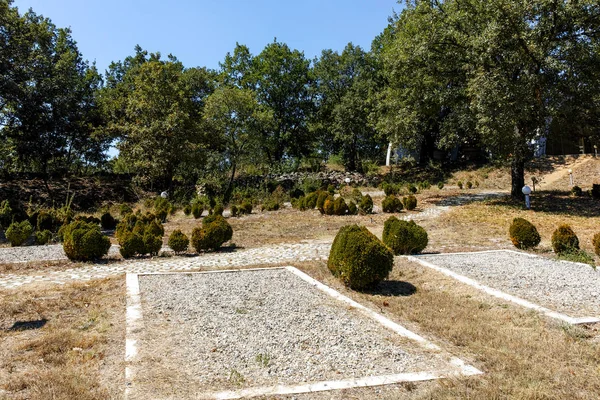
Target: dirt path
{"points": [[561, 173]]}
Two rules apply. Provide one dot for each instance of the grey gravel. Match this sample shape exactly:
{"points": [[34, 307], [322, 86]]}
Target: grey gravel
{"points": [[250, 328], [567, 287], [52, 252]]}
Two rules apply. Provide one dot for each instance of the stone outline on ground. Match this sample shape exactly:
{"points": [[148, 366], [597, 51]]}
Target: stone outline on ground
{"points": [[500, 294], [134, 323]]}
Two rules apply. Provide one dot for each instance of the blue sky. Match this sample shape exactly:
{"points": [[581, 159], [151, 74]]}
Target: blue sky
{"points": [[201, 32]]}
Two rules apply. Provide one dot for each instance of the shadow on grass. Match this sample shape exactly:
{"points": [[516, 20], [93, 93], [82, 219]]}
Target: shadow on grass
{"points": [[554, 202], [393, 289], [27, 325], [467, 198]]}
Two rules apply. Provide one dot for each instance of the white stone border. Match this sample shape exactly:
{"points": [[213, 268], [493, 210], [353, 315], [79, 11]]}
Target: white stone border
{"points": [[498, 293], [135, 324]]}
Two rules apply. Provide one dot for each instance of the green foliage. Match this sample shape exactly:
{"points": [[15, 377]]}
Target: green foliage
{"points": [[404, 237], [155, 228], [577, 255], [234, 211], [125, 209], [409, 202], [469, 184], [311, 185], [331, 189], [212, 235], [564, 240], [340, 207], [162, 208], [440, 185], [310, 201], [358, 258], [352, 208], [187, 209], [356, 195], [197, 210], [18, 232], [43, 237], [131, 244], [140, 234], [152, 243], [329, 206], [6, 214], [391, 204], [108, 222], [523, 234], [218, 210], [390, 189], [576, 191], [270, 205], [45, 221], [366, 204], [83, 241], [412, 188], [178, 242], [323, 196], [246, 208], [596, 244]]}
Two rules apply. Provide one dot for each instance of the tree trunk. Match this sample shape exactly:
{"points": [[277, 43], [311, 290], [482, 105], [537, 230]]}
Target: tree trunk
{"points": [[229, 189], [517, 168]]}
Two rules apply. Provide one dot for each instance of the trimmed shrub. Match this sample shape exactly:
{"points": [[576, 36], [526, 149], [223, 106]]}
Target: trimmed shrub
{"points": [[83, 241], [218, 210], [18, 232], [356, 195], [246, 208], [340, 207], [270, 205], [124, 226], [596, 191], [412, 188], [152, 243], [6, 214], [154, 228], [187, 209], [43, 237], [459, 184], [576, 191], [162, 208], [404, 237], [358, 258], [178, 242], [366, 204], [352, 208], [197, 210], [523, 234], [212, 235], [329, 206], [321, 201], [391, 204], [440, 185], [235, 212], [596, 243], [390, 189], [108, 222], [331, 189], [409, 202], [564, 240], [469, 184], [131, 244], [310, 201]]}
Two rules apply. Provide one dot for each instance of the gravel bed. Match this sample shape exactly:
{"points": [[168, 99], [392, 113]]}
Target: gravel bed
{"points": [[52, 252], [252, 328], [566, 287]]}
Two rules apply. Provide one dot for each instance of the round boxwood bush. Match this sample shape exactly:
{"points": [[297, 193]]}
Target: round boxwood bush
{"points": [[358, 258], [576, 191], [310, 201], [391, 204], [108, 222], [366, 204], [212, 235], [389, 189], [352, 208], [596, 243], [523, 234], [329, 206], [83, 241], [18, 232], [404, 237], [340, 207], [152, 243], [564, 240], [323, 196], [410, 202], [459, 184], [178, 242], [246, 208], [43, 237], [197, 210], [131, 244]]}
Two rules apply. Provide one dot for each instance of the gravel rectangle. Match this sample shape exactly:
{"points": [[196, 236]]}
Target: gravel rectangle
{"points": [[566, 287], [234, 330]]}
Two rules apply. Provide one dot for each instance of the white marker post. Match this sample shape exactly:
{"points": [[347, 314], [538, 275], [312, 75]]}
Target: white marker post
{"points": [[527, 191], [571, 176]]}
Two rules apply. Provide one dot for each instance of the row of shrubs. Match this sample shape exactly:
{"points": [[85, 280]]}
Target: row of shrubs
{"points": [[360, 260], [392, 204], [468, 184], [391, 189], [325, 202], [524, 235], [594, 192]]}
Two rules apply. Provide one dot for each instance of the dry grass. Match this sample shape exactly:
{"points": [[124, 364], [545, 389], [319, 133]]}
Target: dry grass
{"points": [[63, 342]]}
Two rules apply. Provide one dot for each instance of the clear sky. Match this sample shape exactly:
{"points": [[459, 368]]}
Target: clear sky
{"points": [[201, 32]]}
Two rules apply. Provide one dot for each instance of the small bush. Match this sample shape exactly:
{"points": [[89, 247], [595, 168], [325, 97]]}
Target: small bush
{"points": [[576, 191], [45, 221], [410, 202], [578, 256], [404, 237], [235, 211], [218, 210], [212, 235], [154, 228], [187, 209], [43, 237], [83, 241], [270, 205], [596, 244], [391, 204], [523, 234], [412, 188], [596, 191], [178, 242], [356, 195], [331, 189], [564, 240], [6, 213], [358, 258], [440, 185], [108, 222], [469, 184], [321, 201], [390, 189], [197, 210], [340, 207], [18, 233], [352, 208], [310, 201], [329, 206], [131, 244], [459, 184], [125, 209], [152, 243], [366, 204], [246, 208]]}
